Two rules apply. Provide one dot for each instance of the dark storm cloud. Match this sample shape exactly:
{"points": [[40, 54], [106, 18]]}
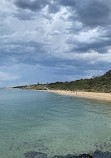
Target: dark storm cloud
{"points": [[70, 3], [32, 5], [94, 12], [91, 13], [28, 52], [53, 7], [99, 45], [67, 37], [24, 15]]}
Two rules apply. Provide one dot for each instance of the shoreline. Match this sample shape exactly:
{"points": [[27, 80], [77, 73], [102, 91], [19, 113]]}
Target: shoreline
{"points": [[90, 95], [83, 94]]}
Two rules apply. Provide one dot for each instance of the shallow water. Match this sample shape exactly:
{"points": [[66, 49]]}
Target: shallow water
{"points": [[52, 124]]}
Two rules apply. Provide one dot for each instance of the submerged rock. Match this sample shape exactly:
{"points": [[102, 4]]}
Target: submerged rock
{"points": [[33, 154], [85, 156], [73, 156], [96, 154], [99, 154]]}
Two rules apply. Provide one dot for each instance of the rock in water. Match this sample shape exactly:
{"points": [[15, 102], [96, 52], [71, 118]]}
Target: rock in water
{"points": [[34, 154], [99, 154], [73, 156], [96, 154], [85, 156]]}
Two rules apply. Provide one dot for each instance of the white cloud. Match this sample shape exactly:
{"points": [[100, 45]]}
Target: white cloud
{"points": [[90, 36], [8, 77]]}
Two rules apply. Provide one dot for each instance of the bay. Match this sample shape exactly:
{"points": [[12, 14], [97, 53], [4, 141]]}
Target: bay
{"points": [[51, 123]]}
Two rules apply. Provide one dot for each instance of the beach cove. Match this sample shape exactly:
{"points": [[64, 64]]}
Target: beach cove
{"points": [[36, 122]]}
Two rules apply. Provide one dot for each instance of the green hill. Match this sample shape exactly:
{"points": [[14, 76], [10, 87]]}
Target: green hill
{"points": [[95, 84]]}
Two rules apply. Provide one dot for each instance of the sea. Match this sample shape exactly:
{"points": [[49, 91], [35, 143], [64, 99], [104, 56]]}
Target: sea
{"points": [[34, 122]]}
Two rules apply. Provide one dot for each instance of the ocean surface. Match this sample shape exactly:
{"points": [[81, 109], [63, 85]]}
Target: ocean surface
{"points": [[51, 123]]}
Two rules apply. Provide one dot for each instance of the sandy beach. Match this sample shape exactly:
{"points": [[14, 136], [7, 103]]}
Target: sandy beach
{"points": [[93, 95]]}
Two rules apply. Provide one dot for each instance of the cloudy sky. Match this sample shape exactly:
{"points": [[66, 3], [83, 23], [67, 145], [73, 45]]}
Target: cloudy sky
{"points": [[53, 40]]}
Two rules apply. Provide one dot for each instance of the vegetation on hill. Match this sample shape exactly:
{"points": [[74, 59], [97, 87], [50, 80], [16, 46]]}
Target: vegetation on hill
{"points": [[35, 86], [95, 84]]}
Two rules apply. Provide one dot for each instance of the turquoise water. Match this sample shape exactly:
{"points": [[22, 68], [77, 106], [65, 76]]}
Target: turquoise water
{"points": [[52, 124]]}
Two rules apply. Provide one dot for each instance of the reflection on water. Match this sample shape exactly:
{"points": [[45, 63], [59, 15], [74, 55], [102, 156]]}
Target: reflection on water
{"points": [[52, 124]]}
